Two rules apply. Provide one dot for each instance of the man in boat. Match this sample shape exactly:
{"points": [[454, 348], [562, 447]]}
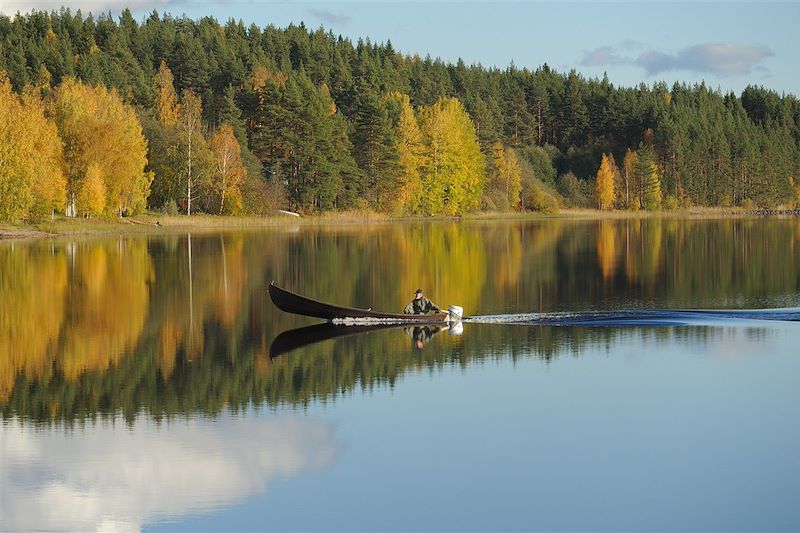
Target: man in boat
{"points": [[421, 305]]}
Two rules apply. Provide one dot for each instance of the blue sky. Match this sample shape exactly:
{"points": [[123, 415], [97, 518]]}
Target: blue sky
{"points": [[727, 44]]}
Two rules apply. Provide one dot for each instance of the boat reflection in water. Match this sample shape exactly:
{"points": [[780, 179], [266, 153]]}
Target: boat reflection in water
{"points": [[344, 321], [294, 339]]}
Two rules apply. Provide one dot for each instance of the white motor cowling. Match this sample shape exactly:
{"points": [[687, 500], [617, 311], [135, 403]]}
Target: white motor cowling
{"points": [[455, 312], [456, 328]]}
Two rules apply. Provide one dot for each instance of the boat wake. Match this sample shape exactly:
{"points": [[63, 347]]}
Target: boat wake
{"points": [[644, 317], [370, 321]]}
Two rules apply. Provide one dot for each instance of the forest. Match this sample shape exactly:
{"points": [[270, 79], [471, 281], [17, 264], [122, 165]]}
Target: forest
{"points": [[105, 116]]}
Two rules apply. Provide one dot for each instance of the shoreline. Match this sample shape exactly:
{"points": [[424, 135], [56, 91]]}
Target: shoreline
{"points": [[151, 223]]}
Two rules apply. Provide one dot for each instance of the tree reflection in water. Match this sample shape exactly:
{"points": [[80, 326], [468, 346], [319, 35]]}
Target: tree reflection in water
{"points": [[96, 328]]}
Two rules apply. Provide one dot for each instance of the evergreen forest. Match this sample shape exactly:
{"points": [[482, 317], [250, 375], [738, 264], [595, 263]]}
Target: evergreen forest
{"points": [[107, 116]]}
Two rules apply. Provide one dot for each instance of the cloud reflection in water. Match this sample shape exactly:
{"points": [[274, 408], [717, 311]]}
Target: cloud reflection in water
{"points": [[115, 477]]}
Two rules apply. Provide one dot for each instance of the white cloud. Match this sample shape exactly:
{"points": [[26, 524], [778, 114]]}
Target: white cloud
{"points": [[654, 62], [331, 18], [112, 477], [604, 55], [720, 59], [724, 59]]}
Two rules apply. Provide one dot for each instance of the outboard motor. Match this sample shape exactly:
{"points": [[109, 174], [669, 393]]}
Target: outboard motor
{"points": [[455, 313]]}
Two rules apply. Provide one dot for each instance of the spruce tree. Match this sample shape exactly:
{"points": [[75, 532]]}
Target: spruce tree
{"points": [[374, 148]]}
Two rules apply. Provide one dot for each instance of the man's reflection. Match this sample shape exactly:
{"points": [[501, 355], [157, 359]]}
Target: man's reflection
{"points": [[422, 334]]}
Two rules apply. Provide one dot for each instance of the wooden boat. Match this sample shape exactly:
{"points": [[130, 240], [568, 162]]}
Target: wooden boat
{"points": [[300, 305]]}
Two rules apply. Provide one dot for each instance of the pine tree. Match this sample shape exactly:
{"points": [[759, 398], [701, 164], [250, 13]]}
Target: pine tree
{"points": [[375, 149], [518, 121], [539, 98], [575, 116], [231, 115], [485, 122]]}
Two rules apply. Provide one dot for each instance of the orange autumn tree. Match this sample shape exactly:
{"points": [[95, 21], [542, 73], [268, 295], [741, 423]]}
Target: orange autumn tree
{"points": [[103, 141], [604, 184]]}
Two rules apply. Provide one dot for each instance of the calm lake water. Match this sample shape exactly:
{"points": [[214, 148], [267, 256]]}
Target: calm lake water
{"points": [[141, 387]]}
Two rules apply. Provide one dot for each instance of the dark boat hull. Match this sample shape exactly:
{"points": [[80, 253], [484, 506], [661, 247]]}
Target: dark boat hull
{"points": [[300, 305], [301, 337]]}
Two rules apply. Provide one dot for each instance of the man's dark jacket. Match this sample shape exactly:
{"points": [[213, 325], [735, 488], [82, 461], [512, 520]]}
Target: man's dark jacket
{"points": [[421, 306]]}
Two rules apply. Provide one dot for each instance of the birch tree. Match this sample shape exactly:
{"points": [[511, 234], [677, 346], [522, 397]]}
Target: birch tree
{"points": [[190, 123], [229, 170]]}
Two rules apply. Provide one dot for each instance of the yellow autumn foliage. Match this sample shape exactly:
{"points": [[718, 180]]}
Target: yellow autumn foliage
{"points": [[505, 181], [410, 152], [452, 254], [92, 193], [98, 128], [604, 184], [231, 279], [166, 97], [229, 170], [453, 173], [31, 180], [33, 285], [108, 305], [606, 245]]}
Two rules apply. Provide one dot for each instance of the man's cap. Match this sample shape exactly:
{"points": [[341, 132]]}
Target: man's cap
{"points": [[418, 291]]}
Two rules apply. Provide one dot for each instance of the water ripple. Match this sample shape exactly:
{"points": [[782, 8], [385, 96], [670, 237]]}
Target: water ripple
{"points": [[644, 317]]}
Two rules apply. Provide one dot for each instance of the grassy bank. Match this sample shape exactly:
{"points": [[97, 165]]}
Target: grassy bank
{"points": [[152, 223]]}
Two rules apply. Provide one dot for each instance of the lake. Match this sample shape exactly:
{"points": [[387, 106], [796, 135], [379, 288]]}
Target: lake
{"points": [[141, 387]]}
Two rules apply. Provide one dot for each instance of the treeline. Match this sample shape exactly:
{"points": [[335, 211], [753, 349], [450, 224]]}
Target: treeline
{"points": [[323, 123]]}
